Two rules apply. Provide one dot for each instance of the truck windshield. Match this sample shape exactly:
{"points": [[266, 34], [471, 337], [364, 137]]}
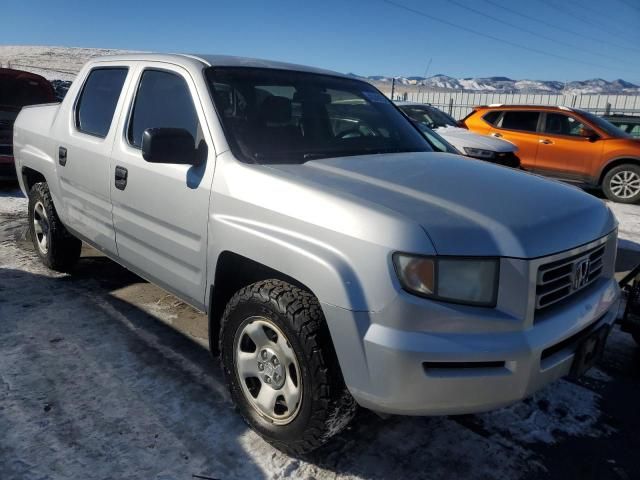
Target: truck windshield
{"points": [[281, 116], [429, 116]]}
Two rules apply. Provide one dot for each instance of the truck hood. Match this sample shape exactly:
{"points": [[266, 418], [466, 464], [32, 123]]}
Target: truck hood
{"points": [[461, 137], [466, 207]]}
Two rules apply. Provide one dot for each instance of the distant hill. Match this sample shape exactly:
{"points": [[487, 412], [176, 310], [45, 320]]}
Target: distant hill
{"points": [[62, 63], [53, 63], [508, 85]]}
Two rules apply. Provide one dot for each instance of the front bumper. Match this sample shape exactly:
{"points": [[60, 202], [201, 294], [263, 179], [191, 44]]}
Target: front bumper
{"points": [[419, 357]]}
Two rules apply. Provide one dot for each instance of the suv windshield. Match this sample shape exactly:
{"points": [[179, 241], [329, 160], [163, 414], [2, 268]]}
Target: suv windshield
{"points": [[603, 124], [429, 116], [282, 116]]}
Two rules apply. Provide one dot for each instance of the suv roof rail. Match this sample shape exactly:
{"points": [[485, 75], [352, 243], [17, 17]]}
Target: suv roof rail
{"points": [[524, 105]]}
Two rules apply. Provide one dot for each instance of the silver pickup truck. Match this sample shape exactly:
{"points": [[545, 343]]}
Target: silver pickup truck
{"points": [[341, 261]]}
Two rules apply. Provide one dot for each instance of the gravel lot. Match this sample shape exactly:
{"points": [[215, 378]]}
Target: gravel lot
{"points": [[92, 385]]}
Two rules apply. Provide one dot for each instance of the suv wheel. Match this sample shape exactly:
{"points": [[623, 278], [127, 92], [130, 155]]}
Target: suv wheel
{"points": [[622, 183], [55, 246], [281, 368]]}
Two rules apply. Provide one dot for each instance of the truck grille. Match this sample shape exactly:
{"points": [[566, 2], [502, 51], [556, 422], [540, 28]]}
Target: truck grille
{"points": [[562, 278]]}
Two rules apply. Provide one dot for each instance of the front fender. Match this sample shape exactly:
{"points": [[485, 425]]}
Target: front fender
{"points": [[328, 271], [618, 158]]}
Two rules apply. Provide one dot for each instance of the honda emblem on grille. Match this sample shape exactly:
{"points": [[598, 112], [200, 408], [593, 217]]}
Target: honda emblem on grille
{"points": [[581, 273]]}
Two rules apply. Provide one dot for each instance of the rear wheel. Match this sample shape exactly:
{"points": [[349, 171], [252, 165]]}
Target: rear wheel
{"points": [[281, 368], [622, 183], [55, 246]]}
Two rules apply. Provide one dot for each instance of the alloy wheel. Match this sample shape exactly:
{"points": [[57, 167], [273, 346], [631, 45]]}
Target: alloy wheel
{"points": [[625, 184]]}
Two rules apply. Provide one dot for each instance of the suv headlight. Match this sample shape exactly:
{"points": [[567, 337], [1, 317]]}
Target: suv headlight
{"points": [[479, 153], [473, 281]]}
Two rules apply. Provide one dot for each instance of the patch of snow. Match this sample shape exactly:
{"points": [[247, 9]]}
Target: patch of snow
{"points": [[559, 410], [126, 399], [598, 375], [12, 203], [629, 222]]}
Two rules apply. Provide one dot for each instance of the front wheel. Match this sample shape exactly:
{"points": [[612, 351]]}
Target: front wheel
{"points": [[281, 368], [622, 183], [55, 246]]}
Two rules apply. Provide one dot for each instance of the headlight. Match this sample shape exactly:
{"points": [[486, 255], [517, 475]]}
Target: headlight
{"points": [[479, 153], [462, 280]]}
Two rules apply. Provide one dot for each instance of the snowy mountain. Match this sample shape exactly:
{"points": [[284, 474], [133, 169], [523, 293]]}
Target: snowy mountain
{"points": [[508, 85], [62, 63]]}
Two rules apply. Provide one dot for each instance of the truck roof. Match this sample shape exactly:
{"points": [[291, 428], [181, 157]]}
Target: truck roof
{"points": [[211, 60]]}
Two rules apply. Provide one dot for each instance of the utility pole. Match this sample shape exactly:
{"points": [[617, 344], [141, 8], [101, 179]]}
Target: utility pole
{"points": [[393, 87], [426, 71]]}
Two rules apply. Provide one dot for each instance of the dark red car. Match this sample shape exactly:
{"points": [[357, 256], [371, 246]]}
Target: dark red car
{"points": [[17, 89]]}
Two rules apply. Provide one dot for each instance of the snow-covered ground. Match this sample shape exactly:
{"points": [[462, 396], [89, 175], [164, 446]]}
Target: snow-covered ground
{"points": [[95, 384]]}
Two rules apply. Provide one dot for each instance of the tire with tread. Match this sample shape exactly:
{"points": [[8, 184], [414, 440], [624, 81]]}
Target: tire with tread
{"points": [[326, 406], [63, 248], [606, 183]]}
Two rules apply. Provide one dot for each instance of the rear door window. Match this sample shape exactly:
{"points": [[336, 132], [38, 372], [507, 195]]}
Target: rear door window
{"points": [[516, 120], [98, 100], [163, 101]]}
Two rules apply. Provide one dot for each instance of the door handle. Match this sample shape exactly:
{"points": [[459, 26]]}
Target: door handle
{"points": [[497, 135], [545, 141], [121, 174], [62, 156]]}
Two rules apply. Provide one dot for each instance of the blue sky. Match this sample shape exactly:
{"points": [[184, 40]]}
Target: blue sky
{"points": [[582, 38]]}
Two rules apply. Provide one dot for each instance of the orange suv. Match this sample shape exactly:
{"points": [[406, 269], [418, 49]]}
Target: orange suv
{"points": [[567, 144]]}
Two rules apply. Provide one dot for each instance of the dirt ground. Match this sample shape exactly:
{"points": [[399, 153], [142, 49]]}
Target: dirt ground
{"points": [[93, 386]]}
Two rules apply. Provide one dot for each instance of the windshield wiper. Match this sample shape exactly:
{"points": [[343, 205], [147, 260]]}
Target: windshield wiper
{"points": [[354, 153], [309, 156], [317, 156]]}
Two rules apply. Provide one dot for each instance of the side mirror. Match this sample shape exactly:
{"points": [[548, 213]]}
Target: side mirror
{"points": [[168, 145], [589, 134]]}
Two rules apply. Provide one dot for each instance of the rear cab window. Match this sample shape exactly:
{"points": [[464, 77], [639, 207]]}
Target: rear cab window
{"points": [[98, 100]]}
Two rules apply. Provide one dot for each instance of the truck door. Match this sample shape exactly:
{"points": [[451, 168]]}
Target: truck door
{"points": [[160, 210], [86, 134]]}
